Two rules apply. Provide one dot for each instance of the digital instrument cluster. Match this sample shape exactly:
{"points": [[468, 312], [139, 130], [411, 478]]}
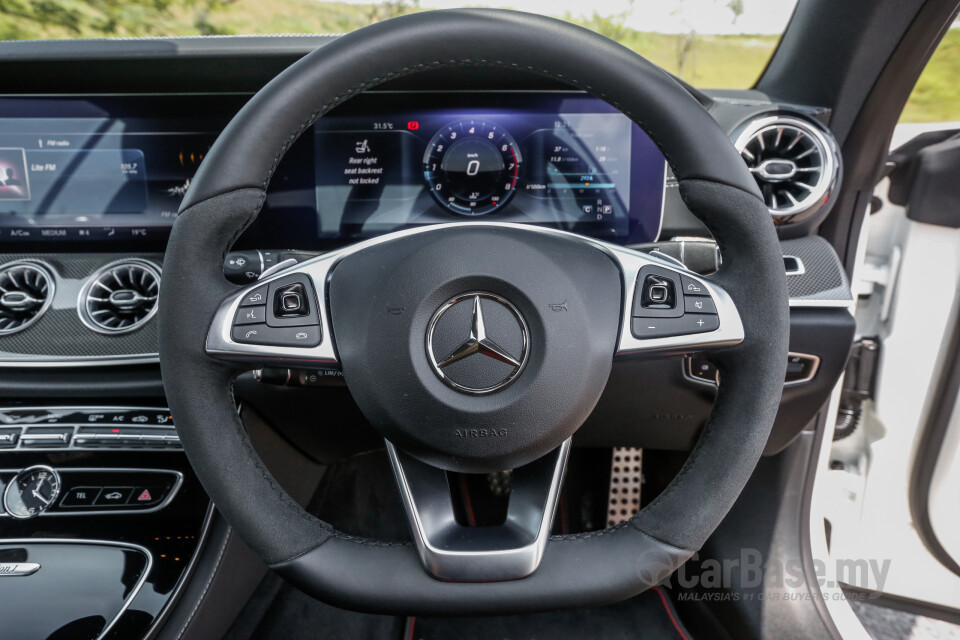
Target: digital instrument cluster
{"points": [[92, 171], [566, 161]]}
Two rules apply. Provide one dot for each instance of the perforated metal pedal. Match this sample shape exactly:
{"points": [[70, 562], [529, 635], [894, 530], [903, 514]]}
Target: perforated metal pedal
{"points": [[623, 499]]}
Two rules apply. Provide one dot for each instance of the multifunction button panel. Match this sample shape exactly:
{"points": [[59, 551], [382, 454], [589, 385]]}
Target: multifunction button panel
{"points": [[667, 303], [87, 428], [281, 321], [280, 313], [82, 491]]}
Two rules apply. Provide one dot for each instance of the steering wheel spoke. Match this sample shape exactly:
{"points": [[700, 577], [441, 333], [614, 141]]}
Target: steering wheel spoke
{"points": [[452, 551], [668, 309], [279, 320]]}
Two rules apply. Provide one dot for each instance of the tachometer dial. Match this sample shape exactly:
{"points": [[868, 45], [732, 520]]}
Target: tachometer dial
{"points": [[31, 492], [471, 167]]}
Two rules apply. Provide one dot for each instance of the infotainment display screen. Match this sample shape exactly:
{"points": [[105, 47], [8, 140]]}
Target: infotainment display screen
{"points": [[97, 179], [94, 171], [562, 160]]}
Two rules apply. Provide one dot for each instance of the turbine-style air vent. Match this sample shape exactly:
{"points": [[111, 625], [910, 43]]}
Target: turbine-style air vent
{"points": [[26, 292], [794, 162], [120, 297]]}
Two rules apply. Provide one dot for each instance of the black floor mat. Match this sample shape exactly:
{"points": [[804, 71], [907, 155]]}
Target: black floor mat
{"points": [[647, 616], [295, 616]]}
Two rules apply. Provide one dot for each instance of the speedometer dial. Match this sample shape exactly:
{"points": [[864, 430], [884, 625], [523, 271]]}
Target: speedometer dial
{"points": [[471, 167]]}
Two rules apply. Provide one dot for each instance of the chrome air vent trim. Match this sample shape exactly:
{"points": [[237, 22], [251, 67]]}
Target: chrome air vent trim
{"points": [[795, 162], [120, 297], [26, 292]]}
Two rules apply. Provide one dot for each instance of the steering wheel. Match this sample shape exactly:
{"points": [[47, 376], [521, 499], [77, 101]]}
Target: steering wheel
{"points": [[473, 347]]}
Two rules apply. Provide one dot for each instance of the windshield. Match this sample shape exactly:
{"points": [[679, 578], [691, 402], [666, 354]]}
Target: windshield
{"points": [[708, 43]]}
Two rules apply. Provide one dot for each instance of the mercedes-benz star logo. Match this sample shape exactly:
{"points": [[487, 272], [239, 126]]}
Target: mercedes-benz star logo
{"points": [[477, 374]]}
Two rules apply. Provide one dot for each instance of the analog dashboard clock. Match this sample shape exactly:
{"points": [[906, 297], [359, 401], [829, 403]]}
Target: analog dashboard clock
{"points": [[31, 492]]}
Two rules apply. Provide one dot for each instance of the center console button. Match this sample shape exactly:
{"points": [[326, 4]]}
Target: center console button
{"points": [[39, 437], [113, 496], [80, 497], [34, 416], [9, 437], [147, 496]]}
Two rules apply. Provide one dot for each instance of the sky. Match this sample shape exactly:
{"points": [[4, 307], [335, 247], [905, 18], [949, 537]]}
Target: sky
{"points": [[663, 16]]}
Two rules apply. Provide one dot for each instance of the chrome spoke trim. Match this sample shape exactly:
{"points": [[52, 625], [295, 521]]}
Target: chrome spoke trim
{"points": [[451, 551]]}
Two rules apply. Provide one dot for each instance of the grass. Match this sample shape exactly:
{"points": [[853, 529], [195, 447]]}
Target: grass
{"points": [[733, 62], [713, 61], [936, 97], [290, 16]]}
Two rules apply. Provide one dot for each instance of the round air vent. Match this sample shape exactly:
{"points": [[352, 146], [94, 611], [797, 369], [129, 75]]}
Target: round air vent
{"points": [[794, 162], [120, 297], [26, 292]]}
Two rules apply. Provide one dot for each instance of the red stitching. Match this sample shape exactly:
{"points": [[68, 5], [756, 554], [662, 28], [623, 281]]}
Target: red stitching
{"points": [[666, 605], [465, 493]]}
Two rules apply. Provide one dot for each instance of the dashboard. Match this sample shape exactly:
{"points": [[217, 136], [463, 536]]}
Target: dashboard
{"points": [[91, 184], [98, 146], [95, 172]]}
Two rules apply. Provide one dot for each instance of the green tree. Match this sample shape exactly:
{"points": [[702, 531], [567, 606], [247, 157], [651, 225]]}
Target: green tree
{"points": [[201, 14], [31, 18], [687, 42], [736, 6], [613, 26], [391, 9]]}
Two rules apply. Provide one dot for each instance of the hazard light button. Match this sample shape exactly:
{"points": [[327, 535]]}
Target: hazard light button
{"points": [[147, 496]]}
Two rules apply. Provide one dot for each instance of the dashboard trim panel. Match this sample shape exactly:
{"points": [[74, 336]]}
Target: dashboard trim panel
{"points": [[76, 425], [178, 482], [105, 543], [80, 361], [185, 576]]}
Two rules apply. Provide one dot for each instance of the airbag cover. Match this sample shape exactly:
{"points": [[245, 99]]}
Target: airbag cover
{"points": [[567, 293]]}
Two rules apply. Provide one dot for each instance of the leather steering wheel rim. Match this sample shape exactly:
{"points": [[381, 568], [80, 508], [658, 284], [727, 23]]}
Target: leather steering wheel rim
{"points": [[579, 570]]}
